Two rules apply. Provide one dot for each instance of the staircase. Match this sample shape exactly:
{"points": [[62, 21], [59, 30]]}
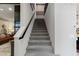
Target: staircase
{"points": [[39, 43]]}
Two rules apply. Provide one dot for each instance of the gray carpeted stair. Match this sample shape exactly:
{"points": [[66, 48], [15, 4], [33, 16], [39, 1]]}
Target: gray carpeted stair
{"points": [[39, 43]]}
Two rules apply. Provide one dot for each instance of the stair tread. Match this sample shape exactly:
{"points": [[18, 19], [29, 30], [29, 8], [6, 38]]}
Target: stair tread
{"points": [[40, 49], [41, 36], [33, 47], [38, 44], [36, 38], [39, 54], [39, 41], [41, 28], [39, 31]]}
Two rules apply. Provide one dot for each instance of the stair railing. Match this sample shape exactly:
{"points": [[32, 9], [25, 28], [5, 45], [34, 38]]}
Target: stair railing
{"points": [[21, 38], [27, 27]]}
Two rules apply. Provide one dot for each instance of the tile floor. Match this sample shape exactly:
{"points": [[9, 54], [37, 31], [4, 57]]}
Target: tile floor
{"points": [[5, 49]]}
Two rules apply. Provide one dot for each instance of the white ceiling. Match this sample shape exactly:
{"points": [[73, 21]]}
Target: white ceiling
{"points": [[40, 7], [5, 13]]}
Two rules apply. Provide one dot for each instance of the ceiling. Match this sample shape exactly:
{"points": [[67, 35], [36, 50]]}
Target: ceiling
{"points": [[40, 8], [7, 12]]}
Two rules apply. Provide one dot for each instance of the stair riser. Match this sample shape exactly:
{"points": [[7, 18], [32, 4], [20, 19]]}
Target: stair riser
{"points": [[39, 34], [39, 27], [39, 42], [39, 38], [38, 47], [39, 31]]}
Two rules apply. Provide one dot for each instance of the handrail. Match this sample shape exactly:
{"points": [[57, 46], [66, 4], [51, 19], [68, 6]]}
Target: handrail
{"points": [[27, 27]]}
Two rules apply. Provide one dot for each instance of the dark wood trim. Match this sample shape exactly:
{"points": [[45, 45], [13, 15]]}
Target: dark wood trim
{"points": [[27, 27], [16, 10], [16, 17], [46, 5], [12, 47]]}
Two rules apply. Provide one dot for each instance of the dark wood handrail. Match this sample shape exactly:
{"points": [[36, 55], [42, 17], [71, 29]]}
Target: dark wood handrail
{"points": [[27, 27]]}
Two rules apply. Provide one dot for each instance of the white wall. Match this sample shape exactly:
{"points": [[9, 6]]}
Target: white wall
{"points": [[77, 15], [49, 18], [65, 32], [26, 13], [21, 45], [60, 20]]}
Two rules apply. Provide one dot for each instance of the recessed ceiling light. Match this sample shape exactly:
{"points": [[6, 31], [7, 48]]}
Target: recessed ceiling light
{"points": [[1, 9], [10, 9]]}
